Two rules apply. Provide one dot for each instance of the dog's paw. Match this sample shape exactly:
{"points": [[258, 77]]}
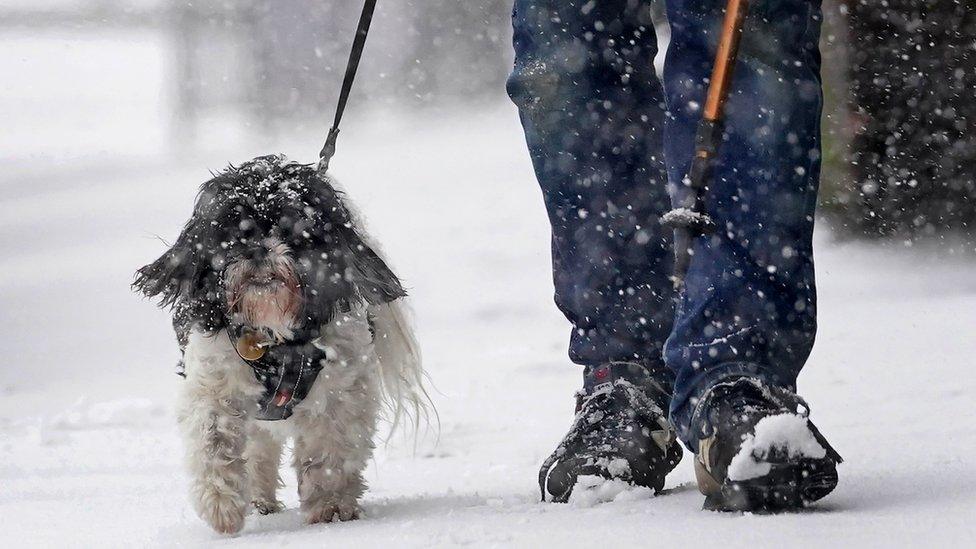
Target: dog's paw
{"points": [[224, 514], [265, 507], [328, 512]]}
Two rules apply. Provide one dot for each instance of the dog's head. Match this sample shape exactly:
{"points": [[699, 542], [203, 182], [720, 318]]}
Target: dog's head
{"points": [[270, 244]]}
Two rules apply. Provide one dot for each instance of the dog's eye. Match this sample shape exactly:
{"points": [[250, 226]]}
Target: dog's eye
{"points": [[302, 230], [249, 228], [218, 262]]}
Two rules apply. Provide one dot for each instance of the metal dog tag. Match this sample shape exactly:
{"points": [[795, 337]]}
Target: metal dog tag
{"points": [[251, 346]]}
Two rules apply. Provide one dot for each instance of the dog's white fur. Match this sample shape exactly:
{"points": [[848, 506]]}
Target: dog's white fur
{"points": [[234, 459]]}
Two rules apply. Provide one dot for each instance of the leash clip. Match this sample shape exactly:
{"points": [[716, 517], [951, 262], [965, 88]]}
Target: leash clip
{"points": [[328, 151]]}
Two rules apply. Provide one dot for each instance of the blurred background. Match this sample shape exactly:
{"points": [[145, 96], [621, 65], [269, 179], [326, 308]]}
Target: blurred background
{"points": [[152, 78], [131, 82]]}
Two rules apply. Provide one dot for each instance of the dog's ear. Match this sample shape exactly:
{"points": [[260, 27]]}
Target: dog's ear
{"points": [[374, 280], [364, 274], [189, 269], [176, 273], [344, 271]]}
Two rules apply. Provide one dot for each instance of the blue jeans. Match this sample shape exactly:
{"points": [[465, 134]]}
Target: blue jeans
{"points": [[610, 145]]}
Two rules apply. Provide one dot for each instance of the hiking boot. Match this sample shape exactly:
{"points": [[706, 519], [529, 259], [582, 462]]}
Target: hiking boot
{"points": [[620, 432], [759, 451]]}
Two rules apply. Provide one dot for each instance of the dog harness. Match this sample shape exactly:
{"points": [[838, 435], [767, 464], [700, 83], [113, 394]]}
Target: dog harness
{"points": [[287, 370]]}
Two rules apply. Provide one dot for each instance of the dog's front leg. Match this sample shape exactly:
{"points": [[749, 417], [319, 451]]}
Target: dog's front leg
{"points": [[214, 425], [263, 456], [331, 454]]}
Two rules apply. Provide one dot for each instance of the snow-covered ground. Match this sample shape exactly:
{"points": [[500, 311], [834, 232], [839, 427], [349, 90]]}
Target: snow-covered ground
{"points": [[89, 455]]}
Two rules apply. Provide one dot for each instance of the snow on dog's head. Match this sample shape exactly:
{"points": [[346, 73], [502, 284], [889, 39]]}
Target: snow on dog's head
{"points": [[270, 244]]}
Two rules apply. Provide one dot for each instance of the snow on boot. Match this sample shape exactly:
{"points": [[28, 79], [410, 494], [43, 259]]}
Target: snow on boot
{"points": [[620, 432], [760, 452]]}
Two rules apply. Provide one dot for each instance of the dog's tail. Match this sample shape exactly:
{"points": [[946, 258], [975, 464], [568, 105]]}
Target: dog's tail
{"points": [[401, 368]]}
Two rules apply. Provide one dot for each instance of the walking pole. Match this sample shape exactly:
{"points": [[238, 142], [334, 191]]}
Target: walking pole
{"points": [[688, 218]]}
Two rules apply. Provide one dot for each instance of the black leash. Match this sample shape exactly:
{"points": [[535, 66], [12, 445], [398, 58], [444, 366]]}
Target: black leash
{"points": [[358, 44]]}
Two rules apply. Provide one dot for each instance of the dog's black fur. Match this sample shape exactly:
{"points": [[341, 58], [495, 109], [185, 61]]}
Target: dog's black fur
{"points": [[235, 212]]}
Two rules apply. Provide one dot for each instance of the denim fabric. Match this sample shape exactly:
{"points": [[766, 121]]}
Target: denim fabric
{"points": [[606, 138]]}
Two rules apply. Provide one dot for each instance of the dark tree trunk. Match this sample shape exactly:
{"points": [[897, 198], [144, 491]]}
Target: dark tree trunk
{"points": [[913, 85]]}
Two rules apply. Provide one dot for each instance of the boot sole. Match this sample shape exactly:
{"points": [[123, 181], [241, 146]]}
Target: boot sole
{"points": [[788, 486], [560, 486], [560, 489]]}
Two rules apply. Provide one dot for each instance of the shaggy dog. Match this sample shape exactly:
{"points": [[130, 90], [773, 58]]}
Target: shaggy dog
{"points": [[291, 326]]}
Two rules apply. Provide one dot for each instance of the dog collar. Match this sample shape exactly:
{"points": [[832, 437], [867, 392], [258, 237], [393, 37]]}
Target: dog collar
{"points": [[286, 369]]}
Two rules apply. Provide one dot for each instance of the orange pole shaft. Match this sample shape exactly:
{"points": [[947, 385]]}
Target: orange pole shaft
{"points": [[725, 57]]}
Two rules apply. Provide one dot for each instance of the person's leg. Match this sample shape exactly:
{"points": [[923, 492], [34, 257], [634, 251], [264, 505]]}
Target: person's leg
{"points": [[746, 321], [749, 303], [592, 110]]}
